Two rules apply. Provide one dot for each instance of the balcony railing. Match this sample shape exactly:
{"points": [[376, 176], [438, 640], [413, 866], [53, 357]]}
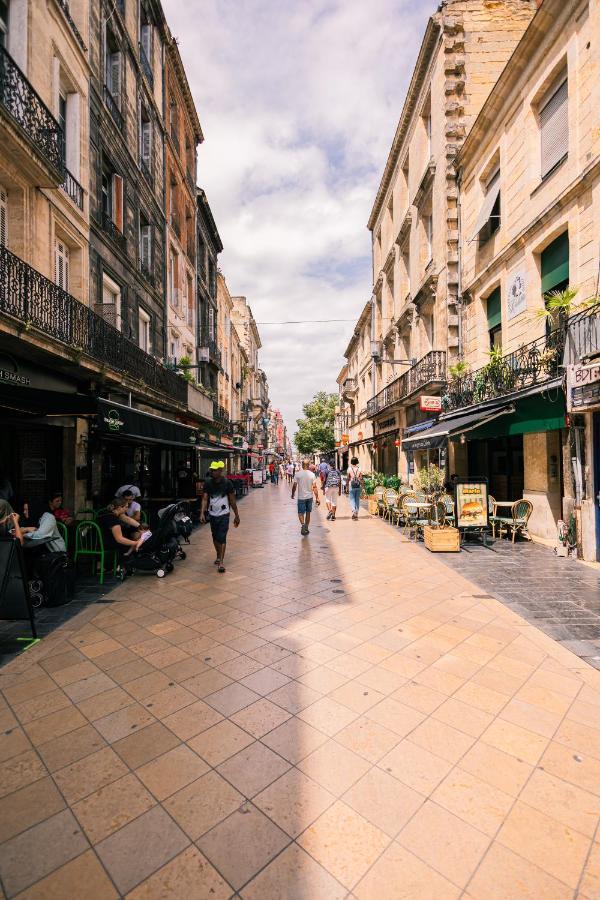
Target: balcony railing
{"points": [[534, 363], [111, 229], [66, 10], [35, 301], [113, 108], [220, 414], [146, 67], [349, 386], [431, 368], [147, 172], [73, 189], [27, 109], [209, 344], [583, 335]]}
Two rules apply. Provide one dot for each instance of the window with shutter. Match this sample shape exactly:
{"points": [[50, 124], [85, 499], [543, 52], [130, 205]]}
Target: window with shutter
{"points": [[144, 330], [145, 246], [3, 216], [61, 264], [117, 201], [110, 307], [146, 40], [146, 141], [554, 129]]}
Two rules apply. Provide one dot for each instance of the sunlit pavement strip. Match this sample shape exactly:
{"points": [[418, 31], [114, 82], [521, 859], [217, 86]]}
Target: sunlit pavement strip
{"points": [[337, 716]]}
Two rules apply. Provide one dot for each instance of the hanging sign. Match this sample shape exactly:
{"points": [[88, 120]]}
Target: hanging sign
{"points": [[583, 387], [430, 404]]}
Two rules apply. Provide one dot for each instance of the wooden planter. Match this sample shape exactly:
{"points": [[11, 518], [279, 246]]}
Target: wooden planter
{"points": [[442, 540]]}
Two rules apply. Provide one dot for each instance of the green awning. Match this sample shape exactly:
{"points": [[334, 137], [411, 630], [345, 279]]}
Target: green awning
{"points": [[532, 414], [494, 309], [555, 263]]}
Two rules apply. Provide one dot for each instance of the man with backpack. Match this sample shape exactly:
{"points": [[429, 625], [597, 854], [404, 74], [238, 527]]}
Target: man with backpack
{"points": [[332, 488]]}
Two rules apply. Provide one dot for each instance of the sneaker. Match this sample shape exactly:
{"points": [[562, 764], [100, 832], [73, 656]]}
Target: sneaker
{"points": [[221, 568], [304, 529], [216, 562], [329, 515]]}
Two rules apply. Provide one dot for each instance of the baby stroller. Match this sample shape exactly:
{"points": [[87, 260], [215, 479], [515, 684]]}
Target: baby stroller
{"points": [[184, 526], [156, 555]]}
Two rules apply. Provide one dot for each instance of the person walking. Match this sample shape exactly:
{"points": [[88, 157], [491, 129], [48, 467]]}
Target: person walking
{"points": [[218, 500], [275, 475], [355, 483], [332, 488], [306, 485]]}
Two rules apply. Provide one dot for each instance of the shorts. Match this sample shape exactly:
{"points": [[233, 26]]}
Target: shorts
{"points": [[219, 526], [332, 494], [305, 506]]}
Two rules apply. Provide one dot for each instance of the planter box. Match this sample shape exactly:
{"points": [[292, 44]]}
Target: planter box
{"points": [[442, 540]]}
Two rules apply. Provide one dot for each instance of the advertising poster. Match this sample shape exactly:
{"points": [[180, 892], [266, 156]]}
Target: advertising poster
{"points": [[471, 503], [257, 477]]}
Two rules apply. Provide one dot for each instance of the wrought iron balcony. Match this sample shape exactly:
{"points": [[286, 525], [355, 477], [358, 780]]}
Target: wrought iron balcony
{"points": [[28, 111], [583, 335], [146, 67], [111, 229], [220, 414], [349, 386], [34, 301], [147, 172], [430, 369], [66, 10], [73, 189], [208, 344], [113, 108], [534, 363]]}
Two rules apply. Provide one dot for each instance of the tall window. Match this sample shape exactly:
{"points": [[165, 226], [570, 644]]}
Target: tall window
{"points": [[113, 66], [144, 330], [111, 195], [110, 307], [190, 301], [489, 218], [211, 323], [145, 245], [61, 264], [145, 136], [554, 128], [494, 319], [174, 278], [62, 121], [3, 216], [3, 23]]}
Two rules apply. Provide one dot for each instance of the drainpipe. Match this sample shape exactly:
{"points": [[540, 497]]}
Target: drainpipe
{"points": [[459, 299]]}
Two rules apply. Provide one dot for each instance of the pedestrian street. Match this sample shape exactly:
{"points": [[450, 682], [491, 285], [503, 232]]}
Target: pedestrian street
{"points": [[338, 716]]}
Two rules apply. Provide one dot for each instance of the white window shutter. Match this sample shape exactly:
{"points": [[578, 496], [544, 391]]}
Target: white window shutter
{"points": [[554, 127], [61, 265], [146, 141], [3, 216], [145, 246], [146, 41], [115, 75]]}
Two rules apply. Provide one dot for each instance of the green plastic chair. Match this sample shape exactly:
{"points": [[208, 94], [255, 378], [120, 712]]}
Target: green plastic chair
{"points": [[99, 512], [143, 517], [64, 533], [89, 542]]}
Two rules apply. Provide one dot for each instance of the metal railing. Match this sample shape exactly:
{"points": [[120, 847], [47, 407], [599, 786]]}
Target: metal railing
{"points": [[533, 363], [583, 335], [112, 106], [111, 229], [220, 414], [147, 172], [209, 343], [73, 189], [146, 67], [349, 385], [431, 368], [27, 109], [33, 300], [66, 10]]}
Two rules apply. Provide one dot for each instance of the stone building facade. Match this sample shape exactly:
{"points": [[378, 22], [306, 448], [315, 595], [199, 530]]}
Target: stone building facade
{"points": [[255, 399], [209, 246], [530, 226], [183, 134], [355, 390], [414, 220]]}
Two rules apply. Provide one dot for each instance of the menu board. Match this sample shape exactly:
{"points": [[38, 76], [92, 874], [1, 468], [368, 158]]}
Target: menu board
{"points": [[257, 477], [471, 503]]}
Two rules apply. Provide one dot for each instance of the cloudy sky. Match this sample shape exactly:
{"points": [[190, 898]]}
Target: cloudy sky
{"points": [[298, 101]]}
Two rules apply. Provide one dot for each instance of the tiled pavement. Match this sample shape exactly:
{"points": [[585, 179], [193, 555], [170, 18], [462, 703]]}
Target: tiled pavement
{"points": [[340, 716]]}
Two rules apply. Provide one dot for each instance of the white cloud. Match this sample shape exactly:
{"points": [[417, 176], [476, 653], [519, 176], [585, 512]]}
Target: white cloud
{"points": [[298, 102]]}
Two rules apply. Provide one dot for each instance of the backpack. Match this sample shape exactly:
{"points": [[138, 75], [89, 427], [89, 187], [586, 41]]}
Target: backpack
{"points": [[354, 474], [53, 570], [333, 478]]}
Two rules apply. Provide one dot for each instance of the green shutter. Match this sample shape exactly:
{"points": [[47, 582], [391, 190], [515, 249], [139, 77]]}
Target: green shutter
{"points": [[494, 309], [555, 263]]}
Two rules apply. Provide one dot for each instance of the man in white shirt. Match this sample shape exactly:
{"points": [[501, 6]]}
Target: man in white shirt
{"points": [[306, 485]]}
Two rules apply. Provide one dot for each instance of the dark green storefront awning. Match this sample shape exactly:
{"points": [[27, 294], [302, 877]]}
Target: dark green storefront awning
{"points": [[532, 414]]}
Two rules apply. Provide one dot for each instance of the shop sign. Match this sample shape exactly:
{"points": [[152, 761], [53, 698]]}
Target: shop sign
{"points": [[583, 387], [516, 294], [113, 421], [385, 423], [14, 373], [471, 503], [430, 404]]}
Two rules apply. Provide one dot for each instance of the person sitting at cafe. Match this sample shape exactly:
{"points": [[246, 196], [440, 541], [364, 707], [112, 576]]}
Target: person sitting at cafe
{"points": [[111, 523], [132, 516], [59, 512], [9, 522], [46, 529]]}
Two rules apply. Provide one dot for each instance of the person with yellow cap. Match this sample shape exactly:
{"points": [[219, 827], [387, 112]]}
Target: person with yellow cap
{"points": [[218, 500]]}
